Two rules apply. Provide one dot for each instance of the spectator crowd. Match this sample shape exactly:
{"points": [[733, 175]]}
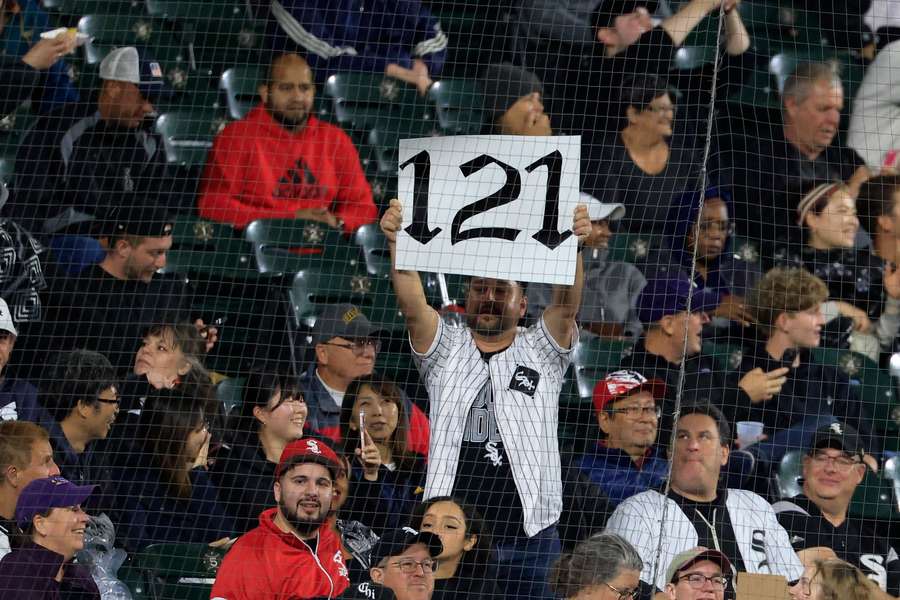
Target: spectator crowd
{"points": [[710, 401]]}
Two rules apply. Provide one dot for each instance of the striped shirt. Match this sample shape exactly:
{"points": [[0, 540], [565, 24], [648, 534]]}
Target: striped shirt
{"points": [[657, 527], [526, 380]]}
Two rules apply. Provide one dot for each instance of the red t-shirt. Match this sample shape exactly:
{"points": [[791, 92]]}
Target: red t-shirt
{"points": [[259, 170]]}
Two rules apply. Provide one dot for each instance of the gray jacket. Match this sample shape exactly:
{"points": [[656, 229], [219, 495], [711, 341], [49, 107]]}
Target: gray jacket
{"points": [[611, 290]]}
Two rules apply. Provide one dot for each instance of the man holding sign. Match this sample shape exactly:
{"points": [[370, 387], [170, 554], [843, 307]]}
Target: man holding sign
{"points": [[494, 391]]}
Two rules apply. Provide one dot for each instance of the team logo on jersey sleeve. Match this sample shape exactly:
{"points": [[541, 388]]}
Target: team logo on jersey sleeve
{"points": [[525, 380]]}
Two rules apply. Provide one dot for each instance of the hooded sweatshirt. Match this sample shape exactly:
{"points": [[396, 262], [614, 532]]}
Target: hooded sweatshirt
{"points": [[257, 169], [269, 563]]}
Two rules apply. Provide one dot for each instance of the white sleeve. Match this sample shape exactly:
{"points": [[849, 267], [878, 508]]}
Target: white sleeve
{"points": [[431, 363], [786, 561], [632, 521]]}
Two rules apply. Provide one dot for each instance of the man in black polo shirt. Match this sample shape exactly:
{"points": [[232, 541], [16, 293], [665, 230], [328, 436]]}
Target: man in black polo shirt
{"points": [[819, 517], [108, 306]]}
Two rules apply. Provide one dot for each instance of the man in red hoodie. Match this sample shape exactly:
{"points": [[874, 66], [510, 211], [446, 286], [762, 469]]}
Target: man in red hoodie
{"points": [[292, 554], [280, 162]]}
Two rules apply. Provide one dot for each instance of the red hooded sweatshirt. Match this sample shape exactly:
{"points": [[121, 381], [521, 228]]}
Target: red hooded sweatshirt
{"points": [[257, 169], [268, 564]]}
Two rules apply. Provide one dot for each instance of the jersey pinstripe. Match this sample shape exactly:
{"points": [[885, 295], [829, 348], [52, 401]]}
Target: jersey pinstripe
{"points": [[526, 380], [763, 543]]}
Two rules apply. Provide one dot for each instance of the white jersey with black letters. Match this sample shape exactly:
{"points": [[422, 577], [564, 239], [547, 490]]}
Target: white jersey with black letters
{"points": [[525, 380], [651, 521]]}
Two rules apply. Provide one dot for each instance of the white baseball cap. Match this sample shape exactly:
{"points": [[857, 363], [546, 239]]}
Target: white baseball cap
{"points": [[126, 64], [6, 322], [598, 211]]}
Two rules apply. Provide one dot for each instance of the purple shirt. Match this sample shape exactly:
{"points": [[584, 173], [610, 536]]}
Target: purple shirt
{"points": [[28, 573]]}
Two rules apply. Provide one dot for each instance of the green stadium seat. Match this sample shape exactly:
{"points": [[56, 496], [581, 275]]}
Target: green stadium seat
{"points": [[109, 31], [178, 571], [194, 233], [592, 359], [230, 393], [691, 57], [458, 106], [239, 84], [7, 164], [290, 245], [359, 101], [312, 288], [873, 384], [892, 474], [188, 136], [788, 474], [375, 250], [874, 498], [631, 247]]}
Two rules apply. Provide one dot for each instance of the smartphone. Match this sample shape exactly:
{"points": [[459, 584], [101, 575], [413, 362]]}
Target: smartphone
{"points": [[362, 429]]}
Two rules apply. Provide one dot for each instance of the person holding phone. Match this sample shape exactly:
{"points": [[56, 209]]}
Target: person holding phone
{"points": [[787, 304], [387, 479]]}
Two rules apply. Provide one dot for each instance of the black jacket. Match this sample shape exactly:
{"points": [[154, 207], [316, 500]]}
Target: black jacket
{"points": [[244, 478], [810, 390]]}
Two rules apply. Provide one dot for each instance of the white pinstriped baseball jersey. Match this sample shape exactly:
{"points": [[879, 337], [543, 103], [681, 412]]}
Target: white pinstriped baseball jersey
{"points": [[526, 380], [762, 541]]}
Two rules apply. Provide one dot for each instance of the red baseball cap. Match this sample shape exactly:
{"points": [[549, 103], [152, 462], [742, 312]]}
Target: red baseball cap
{"points": [[307, 450], [622, 384]]}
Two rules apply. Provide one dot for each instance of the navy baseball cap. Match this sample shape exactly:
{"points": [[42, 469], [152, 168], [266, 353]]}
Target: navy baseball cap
{"points": [[50, 492], [396, 541], [669, 296], [138, 67]]}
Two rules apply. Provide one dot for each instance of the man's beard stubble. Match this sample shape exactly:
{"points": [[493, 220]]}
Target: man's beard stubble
{"points": [[303, 527]]}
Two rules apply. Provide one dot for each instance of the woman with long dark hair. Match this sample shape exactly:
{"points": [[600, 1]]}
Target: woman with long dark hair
{"points": [[464, 567], [272, 414], [162, 488], [387, 479]]}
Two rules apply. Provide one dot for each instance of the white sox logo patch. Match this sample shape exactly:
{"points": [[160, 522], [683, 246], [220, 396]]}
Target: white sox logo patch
{"points": [[525, 380]]}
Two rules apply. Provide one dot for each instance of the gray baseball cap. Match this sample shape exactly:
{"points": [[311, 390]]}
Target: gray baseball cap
{"points": [[341, 320]]}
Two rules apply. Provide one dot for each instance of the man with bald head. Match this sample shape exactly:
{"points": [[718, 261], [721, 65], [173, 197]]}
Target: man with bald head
{"points": [[281, 162]]}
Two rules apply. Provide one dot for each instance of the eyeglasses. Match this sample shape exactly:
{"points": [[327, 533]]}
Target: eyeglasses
{"points": [[697, 580], [409, 566], [358, 347], [661, 109], [633, 412], [624, 594], [838, 463], [723, 226], [107, 401]]}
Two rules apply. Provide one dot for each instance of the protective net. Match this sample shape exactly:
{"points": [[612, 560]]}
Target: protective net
{"points": [[289, 292]]}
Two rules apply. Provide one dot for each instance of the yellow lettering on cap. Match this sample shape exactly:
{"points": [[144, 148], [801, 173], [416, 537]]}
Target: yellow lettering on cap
{"points": [[351, 314]]}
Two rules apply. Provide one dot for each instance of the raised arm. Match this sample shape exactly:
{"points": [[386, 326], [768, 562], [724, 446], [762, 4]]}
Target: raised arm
{"points": [[421, 319], [737, 39], [559, 316], [679, 25]]}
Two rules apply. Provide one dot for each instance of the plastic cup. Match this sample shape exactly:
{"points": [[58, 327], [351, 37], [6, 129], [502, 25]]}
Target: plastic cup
{"points": [[749, 432]]}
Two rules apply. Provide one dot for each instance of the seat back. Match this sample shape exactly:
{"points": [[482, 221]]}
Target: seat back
{"points": [[290, 245]]}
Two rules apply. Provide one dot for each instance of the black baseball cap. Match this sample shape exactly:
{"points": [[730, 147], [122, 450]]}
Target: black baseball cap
{"points": [[840, 437], [396, 542], [142, 220]]}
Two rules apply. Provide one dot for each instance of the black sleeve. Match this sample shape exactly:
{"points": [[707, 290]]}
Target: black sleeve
{"points": [[19, 81], [585, 508], [793, 523]]}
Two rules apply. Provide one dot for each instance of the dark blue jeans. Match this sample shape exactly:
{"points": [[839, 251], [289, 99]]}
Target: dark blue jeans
{"points": [[524, 563]]}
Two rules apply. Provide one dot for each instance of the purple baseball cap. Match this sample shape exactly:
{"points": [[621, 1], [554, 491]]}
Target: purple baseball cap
{"points": [[669, 296], [50, 492]]}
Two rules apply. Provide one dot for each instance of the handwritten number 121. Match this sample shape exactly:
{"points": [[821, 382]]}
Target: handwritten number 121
{"points": [[548, 235]]}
